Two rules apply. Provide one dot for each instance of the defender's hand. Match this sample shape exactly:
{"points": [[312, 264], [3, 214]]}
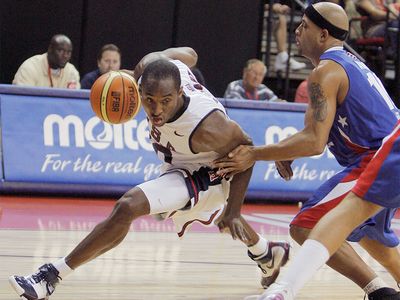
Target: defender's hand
{"points": [[238, 160]]}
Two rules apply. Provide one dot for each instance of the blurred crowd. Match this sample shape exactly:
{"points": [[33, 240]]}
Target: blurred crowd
{"points": [[369, 20]]}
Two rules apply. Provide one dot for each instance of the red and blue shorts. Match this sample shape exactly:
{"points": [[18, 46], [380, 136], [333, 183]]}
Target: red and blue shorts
{"points": [[375, 177]]}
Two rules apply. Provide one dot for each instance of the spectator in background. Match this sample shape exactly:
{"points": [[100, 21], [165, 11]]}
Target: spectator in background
{"points": [[108, 59], [50, 69], [302, 93], [280, 32], [352, 13], [251, 86], [375, 25]]}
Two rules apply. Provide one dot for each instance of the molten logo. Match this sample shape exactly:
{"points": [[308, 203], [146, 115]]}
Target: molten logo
{"points": [[275, 134], [100, 135]]}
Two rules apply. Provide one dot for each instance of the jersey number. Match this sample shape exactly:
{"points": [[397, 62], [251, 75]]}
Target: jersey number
{"points": [[375, 82]]}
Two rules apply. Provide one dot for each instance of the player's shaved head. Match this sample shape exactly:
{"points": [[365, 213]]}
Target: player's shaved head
{"points": [[333, 13]]}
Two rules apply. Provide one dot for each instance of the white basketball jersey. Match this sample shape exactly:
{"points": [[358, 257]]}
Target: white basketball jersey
{"points": [[172, 140]]}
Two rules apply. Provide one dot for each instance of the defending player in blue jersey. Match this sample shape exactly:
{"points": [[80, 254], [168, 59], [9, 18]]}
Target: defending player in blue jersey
{"points": [[352, 114]]}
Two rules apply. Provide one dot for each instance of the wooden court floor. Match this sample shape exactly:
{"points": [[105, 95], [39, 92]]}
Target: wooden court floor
{"points": [[152, 262]]}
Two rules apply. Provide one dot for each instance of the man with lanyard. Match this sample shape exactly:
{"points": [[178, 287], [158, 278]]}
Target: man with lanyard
{"points": [[51, 69]]}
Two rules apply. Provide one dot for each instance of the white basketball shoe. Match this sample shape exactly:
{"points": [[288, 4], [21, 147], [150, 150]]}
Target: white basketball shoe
{"points": [[270, 263]]}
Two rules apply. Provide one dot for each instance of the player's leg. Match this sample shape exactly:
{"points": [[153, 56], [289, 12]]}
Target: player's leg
{"points": [[388, 257], [346, 216], [110, 232], [380, 240], [106, 235], [377, 187], [346, 261], [325, 239]]}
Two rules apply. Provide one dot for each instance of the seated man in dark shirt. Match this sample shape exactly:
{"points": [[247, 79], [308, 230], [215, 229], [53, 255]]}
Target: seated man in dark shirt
{"points": [[108, 59]]}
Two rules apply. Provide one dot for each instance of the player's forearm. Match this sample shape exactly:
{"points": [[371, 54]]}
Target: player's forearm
{"points": [[186, 55], [298, 145], [237, 192]]}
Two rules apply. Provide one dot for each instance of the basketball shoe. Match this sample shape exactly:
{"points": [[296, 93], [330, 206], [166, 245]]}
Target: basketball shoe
{"points": [[384, 294], [275, 257], [38, 286]]}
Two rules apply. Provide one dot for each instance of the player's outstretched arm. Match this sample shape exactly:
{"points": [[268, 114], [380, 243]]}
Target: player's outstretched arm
{"points": [[186, 55], [218, 133]]}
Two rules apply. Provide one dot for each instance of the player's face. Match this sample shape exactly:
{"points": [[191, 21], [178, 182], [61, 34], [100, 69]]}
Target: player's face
{"points": [[59, 55], [307, 34], [161, 100], [110, 61]]}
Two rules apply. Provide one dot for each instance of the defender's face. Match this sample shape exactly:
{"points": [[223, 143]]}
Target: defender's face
{"points": [[307, 34], [161, 100]]}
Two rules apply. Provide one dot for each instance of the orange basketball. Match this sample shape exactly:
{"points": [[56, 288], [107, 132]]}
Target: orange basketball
{"points": [[115, 97]]}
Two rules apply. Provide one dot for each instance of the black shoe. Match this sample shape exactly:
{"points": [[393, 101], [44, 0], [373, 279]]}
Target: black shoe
{"points": [[384, 294]]}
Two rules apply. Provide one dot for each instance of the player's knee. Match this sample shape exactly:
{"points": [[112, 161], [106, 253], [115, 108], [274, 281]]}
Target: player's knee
{"points": [[131, 205], [299, 234]]}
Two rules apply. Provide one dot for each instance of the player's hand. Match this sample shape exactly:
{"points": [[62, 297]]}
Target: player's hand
{"points": [[284, 169], [238, 160], [234, 226]]}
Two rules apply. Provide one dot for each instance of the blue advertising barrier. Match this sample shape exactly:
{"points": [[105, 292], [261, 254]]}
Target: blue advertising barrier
{"points": [[52, 141]]}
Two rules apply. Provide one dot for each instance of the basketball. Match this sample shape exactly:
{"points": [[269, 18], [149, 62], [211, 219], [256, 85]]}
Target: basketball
{"points": [[115, 97]]}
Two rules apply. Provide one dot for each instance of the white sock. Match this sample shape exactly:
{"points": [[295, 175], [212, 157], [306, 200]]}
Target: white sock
{"points": [[260, 247], [62, 267], [374, 285], [283, 55], [311, 256]]}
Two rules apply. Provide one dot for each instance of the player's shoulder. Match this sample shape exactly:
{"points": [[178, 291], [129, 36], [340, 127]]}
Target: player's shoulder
{"points": [[327, 70], [212, 119], [213, 131]]}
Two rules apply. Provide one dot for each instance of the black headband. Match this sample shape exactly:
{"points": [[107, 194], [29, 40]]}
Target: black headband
{"points": [[321, 22]]}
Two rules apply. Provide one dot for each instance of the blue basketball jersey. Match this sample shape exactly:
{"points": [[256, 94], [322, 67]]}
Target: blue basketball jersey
{"points": [[366, 115]]}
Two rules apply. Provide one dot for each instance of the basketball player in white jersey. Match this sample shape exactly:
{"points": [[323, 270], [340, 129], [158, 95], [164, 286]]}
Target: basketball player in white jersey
{"points": [[189, 128]]}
